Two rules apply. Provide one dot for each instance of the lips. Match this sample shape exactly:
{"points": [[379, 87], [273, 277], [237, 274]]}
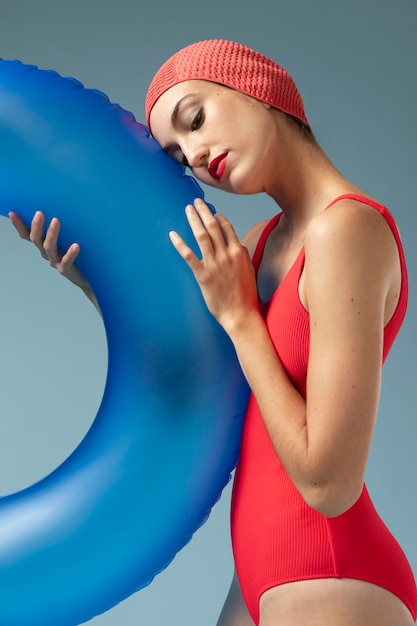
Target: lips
{"points": [[217, 166]]}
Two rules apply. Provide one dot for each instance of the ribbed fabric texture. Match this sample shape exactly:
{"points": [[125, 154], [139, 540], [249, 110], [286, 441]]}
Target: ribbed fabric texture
{"points": [[233, 65], [277, 537]]}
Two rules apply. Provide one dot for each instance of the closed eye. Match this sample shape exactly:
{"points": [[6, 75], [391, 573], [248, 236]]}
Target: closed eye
{"points": [[197, 120], [176, 154]]}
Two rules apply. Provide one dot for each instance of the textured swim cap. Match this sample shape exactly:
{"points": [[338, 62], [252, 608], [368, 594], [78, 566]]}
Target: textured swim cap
{"points": [[231, 64]]}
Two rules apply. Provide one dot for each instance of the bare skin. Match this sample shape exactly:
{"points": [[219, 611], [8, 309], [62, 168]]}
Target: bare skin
{"points": [[343, 602], [48, 248], [339, 602], [324, 442]]}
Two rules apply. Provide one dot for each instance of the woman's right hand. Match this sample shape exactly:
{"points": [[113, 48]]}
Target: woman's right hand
{"points": [[48, 247]]}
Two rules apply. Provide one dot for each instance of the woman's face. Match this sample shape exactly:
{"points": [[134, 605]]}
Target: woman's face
{"points": [[224, 136]]}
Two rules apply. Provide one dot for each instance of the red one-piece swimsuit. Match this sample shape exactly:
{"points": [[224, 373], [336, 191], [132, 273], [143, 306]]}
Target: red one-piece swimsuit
{"points": [[277, 538]]}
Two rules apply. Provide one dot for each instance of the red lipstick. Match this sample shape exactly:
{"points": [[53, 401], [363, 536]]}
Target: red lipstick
{"points": [[217, 166]]}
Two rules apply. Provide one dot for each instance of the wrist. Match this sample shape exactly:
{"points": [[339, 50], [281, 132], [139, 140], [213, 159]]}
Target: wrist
{"points": [[247, 324], [91, 295]]}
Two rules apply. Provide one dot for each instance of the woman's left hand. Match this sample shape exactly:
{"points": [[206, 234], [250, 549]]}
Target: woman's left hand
{"points": [[225, 272], [47, 244]]}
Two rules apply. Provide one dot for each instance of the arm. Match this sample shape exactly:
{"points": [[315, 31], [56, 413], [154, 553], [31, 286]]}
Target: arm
{"points": [[351, 268], [48, 247]]}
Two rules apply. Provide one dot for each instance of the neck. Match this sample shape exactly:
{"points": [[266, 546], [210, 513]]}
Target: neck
{"points": [[308, 181]]}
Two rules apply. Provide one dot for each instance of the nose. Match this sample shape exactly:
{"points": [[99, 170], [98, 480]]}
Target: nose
{"points": [[196, 153]]}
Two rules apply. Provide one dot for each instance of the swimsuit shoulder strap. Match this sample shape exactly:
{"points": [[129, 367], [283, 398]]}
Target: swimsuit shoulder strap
{"points": [[257, 255]]}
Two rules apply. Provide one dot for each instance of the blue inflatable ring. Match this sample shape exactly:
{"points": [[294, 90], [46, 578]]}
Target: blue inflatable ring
{"points": [[167, 433]]}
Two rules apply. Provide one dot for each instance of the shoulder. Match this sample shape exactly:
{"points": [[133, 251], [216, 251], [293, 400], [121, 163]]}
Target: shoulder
{"points": [[251, 237], [350, 227], [350, 249]]}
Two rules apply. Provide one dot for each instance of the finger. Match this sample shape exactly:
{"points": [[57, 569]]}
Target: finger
{"points": [[36, 234], [229, 233], [22, 230], [184, 251], [72, 253], [206, 231], [50, 243], [69, 258], [210, 223]]}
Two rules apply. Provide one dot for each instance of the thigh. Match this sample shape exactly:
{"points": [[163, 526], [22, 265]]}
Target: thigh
{"points": [[234, 611], [340, 602]]}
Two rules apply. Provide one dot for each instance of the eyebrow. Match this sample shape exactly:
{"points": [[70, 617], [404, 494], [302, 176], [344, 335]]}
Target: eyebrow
{"points": [[175, 112]]}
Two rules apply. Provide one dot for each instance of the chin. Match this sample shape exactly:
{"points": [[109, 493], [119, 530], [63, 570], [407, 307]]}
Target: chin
{"points": [[246, 188], [245, 183]]}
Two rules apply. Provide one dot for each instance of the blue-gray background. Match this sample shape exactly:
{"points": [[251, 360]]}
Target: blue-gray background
{"points": [[355, 64]]}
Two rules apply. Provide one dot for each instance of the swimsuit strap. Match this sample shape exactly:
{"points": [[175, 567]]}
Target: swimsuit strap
{"points": [[274, 221], [354, 196], [257, 255]]}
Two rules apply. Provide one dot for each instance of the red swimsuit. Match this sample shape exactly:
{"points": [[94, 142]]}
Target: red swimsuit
{"points": [[277, 538]]}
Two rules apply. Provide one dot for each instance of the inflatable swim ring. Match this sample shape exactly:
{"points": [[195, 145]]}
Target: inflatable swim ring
{"points": [[167, 432]]}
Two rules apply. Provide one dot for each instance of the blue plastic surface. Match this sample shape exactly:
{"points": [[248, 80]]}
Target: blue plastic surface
{"points": [[167, 433]]}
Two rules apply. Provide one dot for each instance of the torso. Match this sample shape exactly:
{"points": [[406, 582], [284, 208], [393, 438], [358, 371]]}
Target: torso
{"points": [[286, 560]]}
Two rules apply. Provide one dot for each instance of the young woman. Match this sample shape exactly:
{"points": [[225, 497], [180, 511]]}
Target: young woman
{"points": [[312, 300]]}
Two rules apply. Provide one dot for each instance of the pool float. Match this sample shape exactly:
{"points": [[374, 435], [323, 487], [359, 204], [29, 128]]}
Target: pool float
{"points": [[167, 433]]}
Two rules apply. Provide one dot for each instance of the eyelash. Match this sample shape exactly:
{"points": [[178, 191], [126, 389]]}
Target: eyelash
{"points": [[197, 120]]}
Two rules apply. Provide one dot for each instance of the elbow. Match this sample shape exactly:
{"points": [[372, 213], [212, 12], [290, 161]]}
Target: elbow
{"points": [[332, 500]]}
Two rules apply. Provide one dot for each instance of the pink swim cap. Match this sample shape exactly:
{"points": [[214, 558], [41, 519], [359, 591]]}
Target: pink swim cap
{"points": [[231, 64]]}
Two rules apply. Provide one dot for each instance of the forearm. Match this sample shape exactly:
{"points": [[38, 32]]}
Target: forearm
{"points": [[282, 407], [326, 481]]}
